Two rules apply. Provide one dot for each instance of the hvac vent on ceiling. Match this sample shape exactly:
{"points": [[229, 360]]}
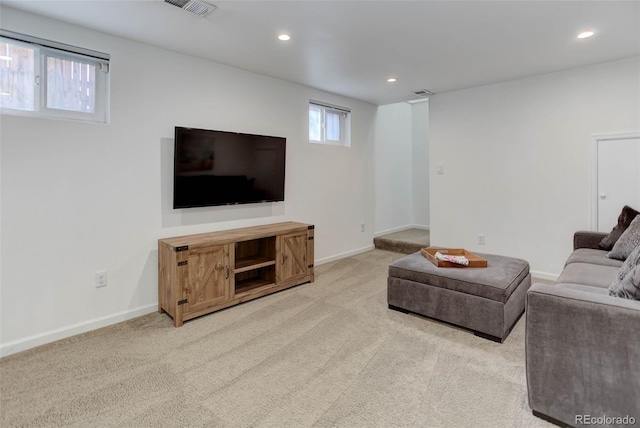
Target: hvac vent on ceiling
{"points": [[197, 7], [423, 93]]}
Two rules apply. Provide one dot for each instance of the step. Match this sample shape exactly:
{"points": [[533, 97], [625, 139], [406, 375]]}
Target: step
{"points": [[406, 241]]}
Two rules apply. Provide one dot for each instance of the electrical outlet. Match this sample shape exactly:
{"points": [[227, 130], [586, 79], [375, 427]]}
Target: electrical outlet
{"points": [[101, 278], [480, 239], [362, 228]]}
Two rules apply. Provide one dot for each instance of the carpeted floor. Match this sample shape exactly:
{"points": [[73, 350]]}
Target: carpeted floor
{"points": [[323, 354]]}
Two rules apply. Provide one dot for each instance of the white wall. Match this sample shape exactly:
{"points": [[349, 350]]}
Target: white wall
{"points": [[516, 159], [401, 167], [81, 197], [420, 163], [393, 168]]}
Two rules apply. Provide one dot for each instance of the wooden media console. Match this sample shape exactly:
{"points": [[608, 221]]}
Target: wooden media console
{"points": [[203, 273]]}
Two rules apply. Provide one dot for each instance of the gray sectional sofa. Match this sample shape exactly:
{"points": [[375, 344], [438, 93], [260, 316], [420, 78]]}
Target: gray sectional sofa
{"points": [[583, 345]]}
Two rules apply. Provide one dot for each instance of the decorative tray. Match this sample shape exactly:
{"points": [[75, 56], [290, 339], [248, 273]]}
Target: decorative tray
{"points": [[475, 261]]}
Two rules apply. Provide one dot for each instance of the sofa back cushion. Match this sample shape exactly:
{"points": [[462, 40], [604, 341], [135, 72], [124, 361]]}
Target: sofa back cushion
{"points": [[595, 257], [588, 274]]}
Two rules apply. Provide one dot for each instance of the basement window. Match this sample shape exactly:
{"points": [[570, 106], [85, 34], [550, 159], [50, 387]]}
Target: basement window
{"points": [[42, 78], [329, 124]]}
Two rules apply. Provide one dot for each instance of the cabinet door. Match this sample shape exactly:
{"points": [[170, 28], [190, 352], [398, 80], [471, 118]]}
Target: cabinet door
{"points": [[206, 280], [291, 259]]}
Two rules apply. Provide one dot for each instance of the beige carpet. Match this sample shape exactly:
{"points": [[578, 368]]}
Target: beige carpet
{"points": [[323, 354]]}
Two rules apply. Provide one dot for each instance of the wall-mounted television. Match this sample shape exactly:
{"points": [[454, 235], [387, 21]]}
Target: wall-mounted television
{"points": [[223, 168]]}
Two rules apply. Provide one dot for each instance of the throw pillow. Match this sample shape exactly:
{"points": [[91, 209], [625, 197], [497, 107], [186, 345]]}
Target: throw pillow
{"points": [[630, 263], [629, 288], [627, 242], [624, 220]]}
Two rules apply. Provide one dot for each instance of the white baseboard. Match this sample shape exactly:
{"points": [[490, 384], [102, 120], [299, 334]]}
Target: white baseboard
{"points": [[400, 229], [64, 332], [319, 262], [544, 275], [393, 230], [420, 226]]}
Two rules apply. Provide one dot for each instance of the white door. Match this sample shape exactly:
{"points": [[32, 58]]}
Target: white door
{"points": [[618, 179]]}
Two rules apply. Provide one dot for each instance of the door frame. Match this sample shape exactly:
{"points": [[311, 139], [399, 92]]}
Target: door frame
{"points": [[593, 192]]}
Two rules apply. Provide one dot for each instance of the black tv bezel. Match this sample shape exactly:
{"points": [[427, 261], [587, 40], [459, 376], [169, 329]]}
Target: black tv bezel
{"points": [[261, 201]]}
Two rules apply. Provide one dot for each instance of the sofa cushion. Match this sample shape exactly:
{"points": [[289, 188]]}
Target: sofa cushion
{"points": [[624, 220], [588, 274], [628, 241], [596, 257], [582, 287], [629, 287]]}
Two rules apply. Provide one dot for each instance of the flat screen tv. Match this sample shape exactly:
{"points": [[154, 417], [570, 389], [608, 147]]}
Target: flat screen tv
{"points": [[223, 168]]}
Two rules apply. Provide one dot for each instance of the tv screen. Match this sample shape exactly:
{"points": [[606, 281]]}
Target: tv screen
{"points": [[222, 168]]}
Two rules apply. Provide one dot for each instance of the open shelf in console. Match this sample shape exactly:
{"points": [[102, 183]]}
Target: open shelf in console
{"points": [[255, 262], [255, 278], [255, 253]]}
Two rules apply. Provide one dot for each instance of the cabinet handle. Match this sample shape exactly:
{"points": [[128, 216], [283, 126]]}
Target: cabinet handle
{"points": [[227, 273], [283, 257]]}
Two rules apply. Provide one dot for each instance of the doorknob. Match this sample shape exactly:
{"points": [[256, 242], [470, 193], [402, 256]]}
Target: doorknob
{"points": [[603, 196]]}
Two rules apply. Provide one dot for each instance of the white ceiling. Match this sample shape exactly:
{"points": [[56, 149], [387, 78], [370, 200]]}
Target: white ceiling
{"points": [[352, 47]]}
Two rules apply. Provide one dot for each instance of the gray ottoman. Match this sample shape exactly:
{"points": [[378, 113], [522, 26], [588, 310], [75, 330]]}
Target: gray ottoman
{"points": [[488, 300]]}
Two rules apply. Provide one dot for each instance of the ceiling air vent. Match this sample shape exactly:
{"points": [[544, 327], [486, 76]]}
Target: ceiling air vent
{"points": [[423, 93], [197, 7]]}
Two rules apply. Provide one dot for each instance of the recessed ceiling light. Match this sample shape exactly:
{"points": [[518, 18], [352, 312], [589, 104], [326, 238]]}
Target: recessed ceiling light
{"points": [[284, 37], [585, 34], [392, 80]]}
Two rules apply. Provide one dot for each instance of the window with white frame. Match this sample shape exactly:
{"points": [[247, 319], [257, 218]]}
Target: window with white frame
{"points": [[329, 124], [48, 79]]}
